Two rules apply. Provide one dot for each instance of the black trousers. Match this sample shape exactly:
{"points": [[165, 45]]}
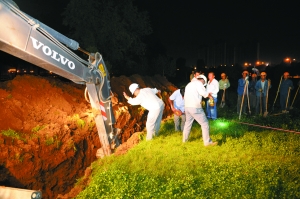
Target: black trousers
{"points": [[227, 102]]}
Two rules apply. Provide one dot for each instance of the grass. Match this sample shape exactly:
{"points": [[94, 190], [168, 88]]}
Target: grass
{"points": [[245, 164], [80, 122], [13, 134]]}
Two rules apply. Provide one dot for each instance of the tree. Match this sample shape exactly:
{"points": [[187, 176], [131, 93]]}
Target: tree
{"points": [[112, 27]]}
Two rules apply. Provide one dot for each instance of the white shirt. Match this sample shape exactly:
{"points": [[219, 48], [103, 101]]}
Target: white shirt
{"points": [[194, 79], [213, 87], [178, 100], [147, 99], [193, 94]]}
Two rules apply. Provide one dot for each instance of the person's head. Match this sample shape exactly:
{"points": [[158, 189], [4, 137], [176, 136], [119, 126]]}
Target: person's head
{"points": [[134, 89], [286, 75], [197, 73], [223, 76], [211, 76], [182, 90], [263, 76], [253, 76], [203, 79], [245, 74]]}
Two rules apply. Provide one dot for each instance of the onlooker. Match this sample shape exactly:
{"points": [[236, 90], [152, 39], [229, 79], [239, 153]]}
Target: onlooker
{"points": [[146, 97], [196, 74], [224, 84], [194, 92], [192, 76], [252, 92], [176, 101], [261, 88], [240, 91], [213, 89], [285, 87]]}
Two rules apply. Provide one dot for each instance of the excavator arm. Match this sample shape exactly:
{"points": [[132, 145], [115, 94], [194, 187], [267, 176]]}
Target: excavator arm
{"points": [[28, 39]]}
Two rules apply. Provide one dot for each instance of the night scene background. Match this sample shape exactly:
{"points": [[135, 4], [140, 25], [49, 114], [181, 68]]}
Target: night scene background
{"points": [[173, 37]]}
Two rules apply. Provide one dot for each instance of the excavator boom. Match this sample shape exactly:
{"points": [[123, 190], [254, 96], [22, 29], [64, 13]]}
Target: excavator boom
{"points": [[28, 39]]}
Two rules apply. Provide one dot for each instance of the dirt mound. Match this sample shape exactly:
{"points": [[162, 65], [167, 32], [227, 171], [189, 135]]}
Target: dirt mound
{"points": [[47, 133]]}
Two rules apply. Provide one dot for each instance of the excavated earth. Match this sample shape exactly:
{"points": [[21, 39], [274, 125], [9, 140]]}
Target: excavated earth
{"points": [[47, 133]]}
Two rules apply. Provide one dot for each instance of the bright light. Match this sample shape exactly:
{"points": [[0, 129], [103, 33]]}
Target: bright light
{"points": [[258, 63], [246, 64], [222, 124]]}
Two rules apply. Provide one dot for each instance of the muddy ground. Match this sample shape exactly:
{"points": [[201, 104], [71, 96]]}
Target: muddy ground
{"points": [[47, 133]]}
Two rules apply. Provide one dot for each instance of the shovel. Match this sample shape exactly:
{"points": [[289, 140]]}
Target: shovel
{"points": [[277, 93], [287, 99], [267, 97], [295, 97], [223, 99]]}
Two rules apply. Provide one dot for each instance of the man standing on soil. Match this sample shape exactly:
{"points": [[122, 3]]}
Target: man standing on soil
{"points": [[176, 101], [147, 98], [196, 74], [261, 88], [194, 92], [213, 88], [224, 84], [252, 93], [285, 90], [240, 91]]}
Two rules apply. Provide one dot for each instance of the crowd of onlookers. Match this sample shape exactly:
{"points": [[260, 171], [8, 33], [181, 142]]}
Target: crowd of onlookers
{"points": [[187, 103]]}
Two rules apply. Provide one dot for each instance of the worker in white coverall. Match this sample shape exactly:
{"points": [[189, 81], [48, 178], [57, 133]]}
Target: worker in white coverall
{"points": [[147, 98], [194, 92]]}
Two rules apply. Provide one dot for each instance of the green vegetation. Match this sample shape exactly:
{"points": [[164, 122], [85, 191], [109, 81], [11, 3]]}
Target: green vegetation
{"points": [[19, 157], [53, 140], [9, 96], [37, 128], [13, 134], [80, 122], [245, 164]]}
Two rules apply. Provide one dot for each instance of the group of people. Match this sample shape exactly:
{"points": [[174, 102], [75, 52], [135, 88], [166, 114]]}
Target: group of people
{"points": [[186, 103], [254, 93]]}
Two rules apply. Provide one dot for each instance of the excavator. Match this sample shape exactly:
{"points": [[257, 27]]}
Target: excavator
{"points": [[29, 39]]}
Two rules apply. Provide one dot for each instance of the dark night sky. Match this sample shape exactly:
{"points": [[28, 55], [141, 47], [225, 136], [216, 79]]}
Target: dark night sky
{"points": [[184, 27]]}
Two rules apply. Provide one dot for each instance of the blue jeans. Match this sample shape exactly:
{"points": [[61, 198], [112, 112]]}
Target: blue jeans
{"points": [[239, 102], [178, 126], [212, 110], [260, 104], [283, 99], [198, 115]]}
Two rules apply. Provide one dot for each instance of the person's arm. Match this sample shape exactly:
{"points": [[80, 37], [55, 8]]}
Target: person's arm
{"points": [[132, 101], [228, 84], [171, 101], [291, 85], [202, 91], [257, 86]]}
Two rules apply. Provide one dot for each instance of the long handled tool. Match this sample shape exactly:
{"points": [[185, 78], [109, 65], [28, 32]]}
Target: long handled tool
{"points": [[246, 86], [287, 99], [267, 98], [277, 93], [223, 99], [295, 97], [248, 102], [260, 102]]}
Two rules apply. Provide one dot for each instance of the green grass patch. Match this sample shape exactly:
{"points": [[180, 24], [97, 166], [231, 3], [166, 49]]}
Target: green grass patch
{"points": [[245, 164], [37, 128], [80, 122], [13, 134]]}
